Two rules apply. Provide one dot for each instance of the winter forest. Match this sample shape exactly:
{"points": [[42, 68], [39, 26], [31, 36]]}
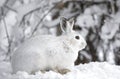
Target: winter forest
{"points": [[96, 20]]}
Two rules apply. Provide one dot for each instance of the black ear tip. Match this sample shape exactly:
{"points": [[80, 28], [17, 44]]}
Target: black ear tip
{"points": [[72, 19]]}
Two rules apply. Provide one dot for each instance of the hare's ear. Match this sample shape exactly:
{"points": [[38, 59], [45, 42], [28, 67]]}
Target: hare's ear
{"points": [[70, 24], [71, 21], [63, 24]]}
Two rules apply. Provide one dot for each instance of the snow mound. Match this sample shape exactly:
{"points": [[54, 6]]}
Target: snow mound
{"points": [[93, 70]]}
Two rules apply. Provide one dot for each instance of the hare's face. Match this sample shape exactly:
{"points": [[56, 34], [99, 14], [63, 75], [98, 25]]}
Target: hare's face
{"points": [[76, 41]]}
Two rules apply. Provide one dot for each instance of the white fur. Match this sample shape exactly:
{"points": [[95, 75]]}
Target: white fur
{"points": [[46, 52]]}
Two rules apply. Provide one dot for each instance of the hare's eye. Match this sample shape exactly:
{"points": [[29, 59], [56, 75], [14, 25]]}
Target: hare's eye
{"points": [[77, 37]]}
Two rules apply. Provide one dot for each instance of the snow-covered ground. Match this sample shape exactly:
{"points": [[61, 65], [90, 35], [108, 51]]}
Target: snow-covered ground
{"points": [[93, 70]]}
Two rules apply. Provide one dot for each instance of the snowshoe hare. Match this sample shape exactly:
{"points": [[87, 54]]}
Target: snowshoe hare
{"points": [[45, 52]]}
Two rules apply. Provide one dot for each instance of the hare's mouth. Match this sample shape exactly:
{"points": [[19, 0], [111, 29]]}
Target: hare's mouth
{"points": [[83, 45]]}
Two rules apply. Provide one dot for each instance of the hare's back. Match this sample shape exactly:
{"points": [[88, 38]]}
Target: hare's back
{"points": [[38, 44]]}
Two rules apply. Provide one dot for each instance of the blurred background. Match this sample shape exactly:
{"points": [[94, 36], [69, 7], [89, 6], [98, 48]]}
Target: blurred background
{"points": [[96, 20]]}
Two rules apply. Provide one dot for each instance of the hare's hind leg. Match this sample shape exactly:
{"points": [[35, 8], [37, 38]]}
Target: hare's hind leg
{"points": [[62, 70]]}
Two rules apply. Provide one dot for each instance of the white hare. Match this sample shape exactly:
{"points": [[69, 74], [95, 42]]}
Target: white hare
{"points": [[45, 52]]}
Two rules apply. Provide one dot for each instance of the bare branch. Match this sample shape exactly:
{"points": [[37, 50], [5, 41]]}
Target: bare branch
{"points": [[36, 27], [8, 7], [6, 30], [28, 14]]}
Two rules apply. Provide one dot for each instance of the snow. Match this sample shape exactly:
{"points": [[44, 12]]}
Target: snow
{"points": [[108, 31], [93, 70], [96, 9], [86, 20]]}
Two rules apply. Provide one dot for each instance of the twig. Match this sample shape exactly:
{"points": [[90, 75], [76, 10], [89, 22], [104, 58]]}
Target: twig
{"points": [[36, 27], [90, 2], [8, 7], [28, 14], [9, 41]]}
